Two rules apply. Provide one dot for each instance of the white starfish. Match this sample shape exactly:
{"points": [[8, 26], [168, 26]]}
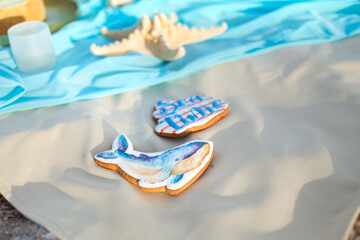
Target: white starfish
{"points": [[162, 37]]}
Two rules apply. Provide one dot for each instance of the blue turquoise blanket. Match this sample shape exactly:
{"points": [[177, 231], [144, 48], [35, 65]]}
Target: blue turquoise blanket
{"points": [[255, 27]]}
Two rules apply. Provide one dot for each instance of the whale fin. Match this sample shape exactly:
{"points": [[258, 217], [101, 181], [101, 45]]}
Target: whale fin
{"points": [[162, 175], [122, 143], [176, 178]]}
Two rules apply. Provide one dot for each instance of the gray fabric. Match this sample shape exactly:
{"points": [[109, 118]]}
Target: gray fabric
{"points": [[285, 166]]}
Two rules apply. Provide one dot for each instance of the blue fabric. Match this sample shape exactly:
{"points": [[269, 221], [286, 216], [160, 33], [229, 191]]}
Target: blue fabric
{"points": [[255, 27], [12, 86]]}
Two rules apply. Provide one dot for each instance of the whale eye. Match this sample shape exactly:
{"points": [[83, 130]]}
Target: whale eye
{"points": [[178, 159]]}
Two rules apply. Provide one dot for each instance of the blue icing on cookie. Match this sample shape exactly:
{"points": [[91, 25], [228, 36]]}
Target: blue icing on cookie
{"points": [[107, 155], [176, 178], [122, 143], [176, 116], [155, 168], [167, 158]]}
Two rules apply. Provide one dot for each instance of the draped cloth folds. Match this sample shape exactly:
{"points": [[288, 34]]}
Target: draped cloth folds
{"points": [[255, 27]]}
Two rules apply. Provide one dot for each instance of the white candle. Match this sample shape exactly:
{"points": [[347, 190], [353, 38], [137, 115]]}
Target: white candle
{"points": [[31, 46]]}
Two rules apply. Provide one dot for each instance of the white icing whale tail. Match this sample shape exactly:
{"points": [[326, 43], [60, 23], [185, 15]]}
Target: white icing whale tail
{"points": [[121, 143]]}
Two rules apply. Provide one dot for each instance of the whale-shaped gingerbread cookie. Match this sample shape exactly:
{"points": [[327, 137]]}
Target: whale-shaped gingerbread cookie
{"points": [[170, 171], [187, 115]]}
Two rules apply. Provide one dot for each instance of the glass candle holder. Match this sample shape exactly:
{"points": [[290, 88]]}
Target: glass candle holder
{"points": [[31, 46]]}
